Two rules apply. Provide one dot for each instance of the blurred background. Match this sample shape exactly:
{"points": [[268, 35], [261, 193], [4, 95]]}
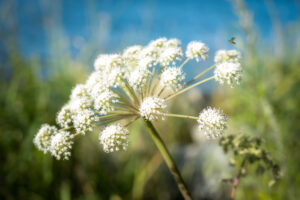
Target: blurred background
{"points": [[46, 47]]}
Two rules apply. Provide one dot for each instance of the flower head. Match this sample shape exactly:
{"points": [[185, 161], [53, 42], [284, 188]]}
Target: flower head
{"points": [[114, 138], [170, 55], [104, 100], [83, 121], [64, 116], [42, 139], [197, 50], [139, 77], [228, 73], [171, 78], [212, 122], [107, 61], [61, 145], [152, 108], [227, 56]]}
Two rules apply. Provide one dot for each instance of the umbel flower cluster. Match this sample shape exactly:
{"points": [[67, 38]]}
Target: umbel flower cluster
{"points": [[137, 83]]}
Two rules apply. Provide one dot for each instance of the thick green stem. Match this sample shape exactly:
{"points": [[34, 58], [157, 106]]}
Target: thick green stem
{"points": [[168, 159]]}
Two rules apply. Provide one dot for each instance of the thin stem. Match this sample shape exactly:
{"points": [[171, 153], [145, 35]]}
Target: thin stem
{"points": [[201, 74], [181, 66], [161, 91], [168, 159], [130, 91], [180, 116], [188, 88], [236, 180]]}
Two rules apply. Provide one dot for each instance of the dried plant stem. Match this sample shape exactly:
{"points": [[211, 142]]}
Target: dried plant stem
{"points": [[168, 159], [236, 180]]}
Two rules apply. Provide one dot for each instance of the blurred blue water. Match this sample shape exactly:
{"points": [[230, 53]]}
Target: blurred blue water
{"points": [[137, 22]]}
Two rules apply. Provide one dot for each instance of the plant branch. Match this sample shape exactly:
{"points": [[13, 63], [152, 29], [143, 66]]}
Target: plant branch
{"points": [[168, 159]]}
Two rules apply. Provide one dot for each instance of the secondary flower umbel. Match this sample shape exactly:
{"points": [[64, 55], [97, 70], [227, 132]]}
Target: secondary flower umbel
{"points": [[137, 83]]}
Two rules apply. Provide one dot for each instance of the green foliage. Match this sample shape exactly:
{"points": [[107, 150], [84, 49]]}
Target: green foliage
{"points": [[248, 152]]}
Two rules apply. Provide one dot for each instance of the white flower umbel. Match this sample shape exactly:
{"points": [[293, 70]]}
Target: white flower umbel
{"points": [[170, 55], [228, 73], [152, 108], [131, 57], [158, 43], [104, 100], [227, 56], [139, 77], [64, 116], [114, 138], [61, 145], [107, 61], [79, 91], [84, 121], [94, 79], [113, 76], [173, 43], [171, 79], [197, 50], [42, 139], [212, 122]]}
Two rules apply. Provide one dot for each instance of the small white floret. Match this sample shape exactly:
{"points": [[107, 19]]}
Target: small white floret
{"points": [[228, 73], [227, 56], [61, 145], [42, 139], [152, 108], [197, 50], [114, 138], [84, 121], [64, 116], [212, 122], [171, 79]]}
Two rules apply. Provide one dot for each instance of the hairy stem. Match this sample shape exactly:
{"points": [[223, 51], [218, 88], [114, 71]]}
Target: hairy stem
{"points": [[168, 159]]}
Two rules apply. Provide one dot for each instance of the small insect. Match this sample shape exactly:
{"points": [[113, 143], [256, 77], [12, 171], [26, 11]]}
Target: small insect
{"points": [[232, 40]]}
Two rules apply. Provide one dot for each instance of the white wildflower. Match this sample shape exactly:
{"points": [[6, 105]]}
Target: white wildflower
{"points": [[170, 55], [212, 122], [197, 50], [149, 52], [64, 116], [158, 43], [107, 61], [98, 89], [79, 91], [61, 145], [228, 73], [227, 56], [94, 79], [114, 138], [152, 108], [113, 76], [131, 56], [104, 100], [42, 139], [132, 52], [146, 62], [171, 78], [139, 77], [83, 121], [173, 43]]}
